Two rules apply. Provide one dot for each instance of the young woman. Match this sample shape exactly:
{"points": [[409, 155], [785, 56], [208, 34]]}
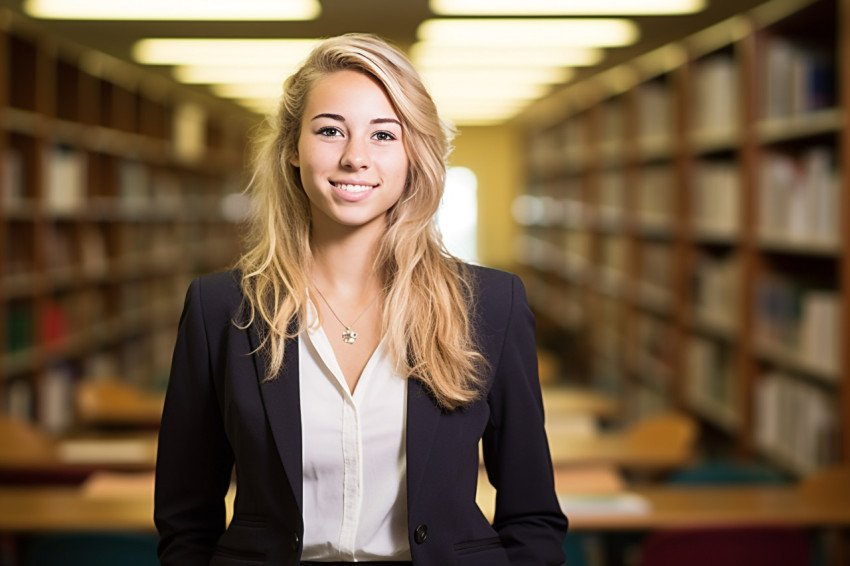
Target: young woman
{"points": [[349, 366]]}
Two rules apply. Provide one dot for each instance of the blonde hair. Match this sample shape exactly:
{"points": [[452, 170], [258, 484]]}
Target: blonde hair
{"points": [[427, 297]]}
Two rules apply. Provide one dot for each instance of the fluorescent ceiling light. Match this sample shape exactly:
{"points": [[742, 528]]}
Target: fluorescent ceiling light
{"points": [[201, 74], [184, 10], [564, 7], [429, 54], [466, 90], [554, 33], [285, 53], [457, 107], [261, 105], [495, 77], [469, 112], [484, 92], [248, 90]]}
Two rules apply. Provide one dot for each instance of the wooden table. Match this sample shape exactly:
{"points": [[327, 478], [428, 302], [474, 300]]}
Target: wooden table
{"points": [[575, 400], [126, 503], [71, 460], [617, 450]]}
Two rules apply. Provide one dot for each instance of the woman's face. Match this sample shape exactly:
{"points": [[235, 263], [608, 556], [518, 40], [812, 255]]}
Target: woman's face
{"points": [[351, 155]]}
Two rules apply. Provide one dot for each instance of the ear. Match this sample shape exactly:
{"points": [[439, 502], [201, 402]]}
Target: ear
{"points": [[294, 160]]}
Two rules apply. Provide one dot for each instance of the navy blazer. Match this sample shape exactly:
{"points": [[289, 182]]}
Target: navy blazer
{"points": [[219, 411]]}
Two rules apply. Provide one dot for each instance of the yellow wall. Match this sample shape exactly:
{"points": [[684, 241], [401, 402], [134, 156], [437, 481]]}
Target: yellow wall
{"points": [[493, 154]]}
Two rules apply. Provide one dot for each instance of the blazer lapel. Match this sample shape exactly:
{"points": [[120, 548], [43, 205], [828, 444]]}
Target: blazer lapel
{"points": [[423, 416], [282, 402]]}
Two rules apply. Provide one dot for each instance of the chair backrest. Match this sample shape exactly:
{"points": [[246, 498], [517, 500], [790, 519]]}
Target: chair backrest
{"points": [[667, 428], [827, 483], [90, 549], [23, 444], [726, 472], [112, 402], [729, 546]]}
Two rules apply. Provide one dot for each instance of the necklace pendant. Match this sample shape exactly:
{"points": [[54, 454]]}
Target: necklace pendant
{"points": [[349, 336]]}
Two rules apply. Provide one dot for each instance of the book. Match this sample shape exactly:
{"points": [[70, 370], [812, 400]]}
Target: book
{"points": [[626, 503]]}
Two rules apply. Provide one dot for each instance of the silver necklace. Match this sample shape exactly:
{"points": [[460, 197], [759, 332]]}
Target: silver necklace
{"points": [[349, 336]]}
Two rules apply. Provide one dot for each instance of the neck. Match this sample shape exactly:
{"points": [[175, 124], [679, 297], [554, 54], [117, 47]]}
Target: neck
{"points": [[344, 266]]}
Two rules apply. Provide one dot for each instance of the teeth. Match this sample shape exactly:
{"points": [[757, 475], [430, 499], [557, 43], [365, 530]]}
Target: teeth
{"points": [[353, 188]]}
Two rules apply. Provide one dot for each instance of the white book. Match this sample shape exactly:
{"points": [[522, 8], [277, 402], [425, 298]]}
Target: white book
{"points": [[607, 504]]}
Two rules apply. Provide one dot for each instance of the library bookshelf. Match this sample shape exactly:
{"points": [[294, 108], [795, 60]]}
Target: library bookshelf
{"points": [[685, 217], [114, 193]]}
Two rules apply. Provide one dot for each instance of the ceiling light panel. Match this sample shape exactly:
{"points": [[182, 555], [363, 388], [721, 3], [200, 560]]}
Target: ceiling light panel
{"points": [[564, 7], [553, 33], [155, 10], [495, 77], [429, 54], [285, 53], [231, 74]]}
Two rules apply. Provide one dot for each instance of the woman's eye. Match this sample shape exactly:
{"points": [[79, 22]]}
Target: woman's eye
{"points": [[329, 131], [384, 136]]}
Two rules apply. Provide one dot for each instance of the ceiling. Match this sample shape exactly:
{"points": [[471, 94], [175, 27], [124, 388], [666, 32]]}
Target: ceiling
{"points": [[395, 20]]}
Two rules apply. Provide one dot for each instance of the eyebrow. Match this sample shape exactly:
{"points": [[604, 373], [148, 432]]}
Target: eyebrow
{"points": [[340, 118]]}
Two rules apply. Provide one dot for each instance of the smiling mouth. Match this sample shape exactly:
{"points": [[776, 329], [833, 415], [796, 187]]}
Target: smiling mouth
{"points": [[353, 188]]}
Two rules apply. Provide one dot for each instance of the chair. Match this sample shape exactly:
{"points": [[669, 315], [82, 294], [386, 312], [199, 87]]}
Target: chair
{"points": [[114, 403], [729, 546], [827, 483], [726, 472], [90, 549], [669, 428]]}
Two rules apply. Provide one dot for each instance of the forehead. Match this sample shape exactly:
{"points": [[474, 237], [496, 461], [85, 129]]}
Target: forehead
{"points": [[349, 93]]}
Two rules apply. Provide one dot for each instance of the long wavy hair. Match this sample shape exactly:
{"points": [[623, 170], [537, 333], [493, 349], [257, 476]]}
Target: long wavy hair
{"points": [[426, 292]]}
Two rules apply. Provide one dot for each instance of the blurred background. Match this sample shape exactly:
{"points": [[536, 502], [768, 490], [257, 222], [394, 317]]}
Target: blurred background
{"points": [[666, 177]]}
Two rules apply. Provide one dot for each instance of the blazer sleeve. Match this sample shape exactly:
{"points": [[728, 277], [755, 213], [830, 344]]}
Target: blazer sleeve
{"points": [[528, 516], [194, 458]]}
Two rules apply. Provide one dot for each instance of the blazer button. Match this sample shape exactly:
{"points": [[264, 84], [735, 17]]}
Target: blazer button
{"points": [[420, 534], [295, 541]]}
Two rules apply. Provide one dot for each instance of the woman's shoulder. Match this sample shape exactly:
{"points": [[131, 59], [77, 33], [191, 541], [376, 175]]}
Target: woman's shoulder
{"points": [[220, 291], [495, 294], [487, 281]]}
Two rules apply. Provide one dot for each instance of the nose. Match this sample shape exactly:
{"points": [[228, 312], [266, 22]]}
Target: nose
{"points": [[355, 156]]}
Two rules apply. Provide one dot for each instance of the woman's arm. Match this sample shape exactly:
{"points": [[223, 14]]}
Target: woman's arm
{"points": [[194, 459], [516, 452]]}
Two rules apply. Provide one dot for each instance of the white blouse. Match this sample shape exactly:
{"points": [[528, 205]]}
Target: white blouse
{"points": [[353, 450]]}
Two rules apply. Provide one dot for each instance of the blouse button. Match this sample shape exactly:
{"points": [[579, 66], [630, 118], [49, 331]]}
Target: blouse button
{"points": [[420, 534]]}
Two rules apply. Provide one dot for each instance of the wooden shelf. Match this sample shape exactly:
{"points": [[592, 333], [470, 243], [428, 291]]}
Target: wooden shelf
{"points": [[108, 218], [743, 148]]}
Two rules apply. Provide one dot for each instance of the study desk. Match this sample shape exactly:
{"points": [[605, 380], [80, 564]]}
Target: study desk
{"points": [[71, 460], [578, 401], [126, 504], [619, 450]]}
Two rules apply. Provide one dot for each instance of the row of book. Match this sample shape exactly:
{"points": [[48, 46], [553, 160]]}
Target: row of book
{"points": [[100, 249], [798, 77], [652, 351], [655, 110], [711, 387], [656, 195], [716, 197], [131, 185], [800, 320], [716, 94], [796, 422], [144, 359], [799, 196], [715, 289], [655, 266], [64, 317]]}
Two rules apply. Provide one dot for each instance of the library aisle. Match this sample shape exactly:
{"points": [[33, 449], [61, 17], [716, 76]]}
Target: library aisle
{"points": [[117, 188], [685, 220], [684, 238]]}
